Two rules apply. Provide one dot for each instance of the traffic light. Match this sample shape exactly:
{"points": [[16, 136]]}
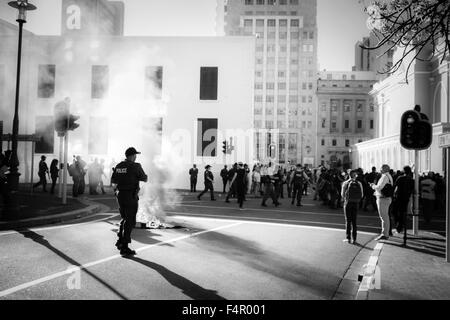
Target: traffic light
{"points": [[71, 122], [224, 147], [61, 116], [416, 132]]}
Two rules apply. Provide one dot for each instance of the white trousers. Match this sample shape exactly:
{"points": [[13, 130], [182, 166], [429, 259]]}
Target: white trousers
{"points": [[383, 210]]}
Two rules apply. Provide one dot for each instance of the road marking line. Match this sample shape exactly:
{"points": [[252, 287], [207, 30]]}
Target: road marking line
{"points": [[90, 264], [290, 211], [369, 276], [62, 226], [212, 217]]}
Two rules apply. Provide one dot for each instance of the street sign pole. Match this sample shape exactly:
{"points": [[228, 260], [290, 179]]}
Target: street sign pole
{"points": [[66, 143], [447, 201], [416, 194], [61, 168]]}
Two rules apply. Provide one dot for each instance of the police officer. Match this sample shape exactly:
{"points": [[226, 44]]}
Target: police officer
{"points": [[209, 180], [125, 182]]}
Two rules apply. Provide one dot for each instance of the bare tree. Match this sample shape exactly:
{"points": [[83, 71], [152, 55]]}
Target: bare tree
{"points": [[420, 28]]}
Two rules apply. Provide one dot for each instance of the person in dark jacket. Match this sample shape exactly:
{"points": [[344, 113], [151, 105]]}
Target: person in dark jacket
{"points": [[224, 176], [239, 182], [193, 174], [125, 182], [404, 188], [209, 183], [54, 173], [42, 173]]}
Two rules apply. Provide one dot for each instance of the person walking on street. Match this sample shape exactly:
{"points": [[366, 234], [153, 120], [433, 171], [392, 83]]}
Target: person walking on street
{"points": [[125, 182], [403, 189], [232, 189], [384, 191], [256, 178], [352, 192], [224, 176], [269, 187], [209, 183], [239, 180], [42, 173], [428, 196], [54, 173], [297, 182], [81, 167], [75, 174], [193, 173]]}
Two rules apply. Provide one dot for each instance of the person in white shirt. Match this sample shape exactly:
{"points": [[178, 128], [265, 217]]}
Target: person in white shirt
{"points": [[383, 202]]}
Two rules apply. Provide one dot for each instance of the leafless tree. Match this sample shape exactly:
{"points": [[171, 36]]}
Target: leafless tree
{"points": [[420, 28]]}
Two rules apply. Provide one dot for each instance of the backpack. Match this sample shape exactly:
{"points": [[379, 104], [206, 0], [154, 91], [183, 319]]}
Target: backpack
{"points": [[387, 191], [354, 193], [298, 178]]}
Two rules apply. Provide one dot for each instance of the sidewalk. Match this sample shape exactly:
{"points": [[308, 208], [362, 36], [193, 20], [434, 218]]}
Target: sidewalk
{"points": [[418, 271], [39, 208]]}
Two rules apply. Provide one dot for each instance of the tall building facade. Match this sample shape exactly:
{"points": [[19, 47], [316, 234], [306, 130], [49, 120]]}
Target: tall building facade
{"points": [[345, 116], [285, 74], [92, 17], [375, 60]]}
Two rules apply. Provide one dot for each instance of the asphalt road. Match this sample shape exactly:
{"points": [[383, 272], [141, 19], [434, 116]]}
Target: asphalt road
{"points": [[212, 251]]}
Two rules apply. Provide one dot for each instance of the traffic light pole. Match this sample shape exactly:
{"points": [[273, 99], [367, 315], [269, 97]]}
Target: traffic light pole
{"points": [[416, 194], [64, 193]]}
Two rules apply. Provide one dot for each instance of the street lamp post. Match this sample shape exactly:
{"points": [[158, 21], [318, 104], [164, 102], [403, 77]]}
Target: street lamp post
{"points": [[13, 177]]}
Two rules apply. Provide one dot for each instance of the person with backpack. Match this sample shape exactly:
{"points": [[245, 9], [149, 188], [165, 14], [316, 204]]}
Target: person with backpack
{"points": [[384, 191], [352, 192], [297, 181]]}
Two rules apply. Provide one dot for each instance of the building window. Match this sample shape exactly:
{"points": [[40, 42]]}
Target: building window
{"points": [[293, 98], [344, 77], [258, 74], [309, 124], [280, 124], [260, 2], [294, 2], [269, 99], [359, 124], [347, 124], [371, 107], [334, 106], [282, 22], [310, 86], [304, 85], [310, 99], [46, 81], [258, 111], [294, 23], [258, 86], [371, 124], [100, 82], [153, 82], [45, 128], [282, 2], [292, 124], [281, 98], [248, 23], [311, 35], [98, 136], [271, 22], [248, 2], [269, 124], [270, 86], [207, 137], [353, 77], [281, 111], [347, 143], [334, 142], [257, 123], [260, 22], [294, 35], [323, 142], [281, 85], [208, 83], [347, 106], [258, 98], [281, 74]]}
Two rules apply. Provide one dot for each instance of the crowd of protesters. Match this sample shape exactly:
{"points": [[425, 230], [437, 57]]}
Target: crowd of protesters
{"points": [[333, 188]]}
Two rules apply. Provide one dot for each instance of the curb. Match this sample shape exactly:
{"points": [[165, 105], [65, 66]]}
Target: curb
{"points": [[370, 273], [92, 208]]}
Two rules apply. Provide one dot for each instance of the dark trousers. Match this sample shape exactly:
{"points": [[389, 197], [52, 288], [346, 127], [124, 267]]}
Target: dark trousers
{"points": [[76, 186], [297, 191], [224, 184], [269, 192], [232, 191], [128, 207], [351, 210], [370, 199], [81, 185], [53, 184], [193, 184], [42, 181], [240, 190], [400, 210], [428, 208], [305, 189], [208, 186]]}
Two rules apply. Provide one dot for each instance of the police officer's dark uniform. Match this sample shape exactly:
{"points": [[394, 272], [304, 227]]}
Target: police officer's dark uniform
{"points": [[125, 179], [193, 172], [209, 178]]}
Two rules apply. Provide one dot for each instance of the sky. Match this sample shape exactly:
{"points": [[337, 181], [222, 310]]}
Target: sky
{"points": [[341, 23]]}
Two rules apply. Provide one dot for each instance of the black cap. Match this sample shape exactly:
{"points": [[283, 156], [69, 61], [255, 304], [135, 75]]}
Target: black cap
{"points": [[207, 166], [131, 151]]}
